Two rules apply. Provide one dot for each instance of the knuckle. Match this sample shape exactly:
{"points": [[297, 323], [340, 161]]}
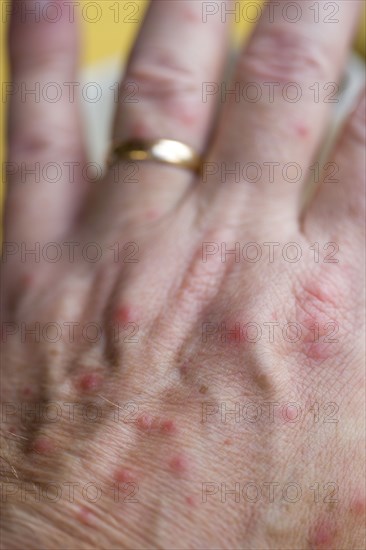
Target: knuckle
{"points": [[29, 146], [285, 56], [163, 79], [36, 146]]}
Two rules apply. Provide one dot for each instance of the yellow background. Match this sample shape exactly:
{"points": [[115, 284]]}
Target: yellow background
{"points": [[106, 37]]}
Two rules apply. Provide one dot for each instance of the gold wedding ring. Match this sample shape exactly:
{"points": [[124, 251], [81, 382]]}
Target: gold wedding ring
{"points": [[166, 151]]}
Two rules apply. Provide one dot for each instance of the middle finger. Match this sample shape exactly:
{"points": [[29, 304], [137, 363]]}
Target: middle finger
{"points": [[286, 82]]}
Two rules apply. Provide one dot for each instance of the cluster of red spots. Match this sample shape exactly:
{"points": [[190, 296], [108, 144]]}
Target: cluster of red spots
{"points": [[89, 382], [179, 464], [148, 423], [43, 446]]}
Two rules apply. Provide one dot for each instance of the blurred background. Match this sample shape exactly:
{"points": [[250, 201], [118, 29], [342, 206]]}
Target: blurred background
{"points": [[108, 29]]}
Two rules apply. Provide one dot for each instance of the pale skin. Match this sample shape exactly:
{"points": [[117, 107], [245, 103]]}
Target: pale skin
{"points": [[177, 449]]}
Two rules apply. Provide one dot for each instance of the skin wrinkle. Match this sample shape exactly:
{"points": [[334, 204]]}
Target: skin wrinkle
{"points": [[285, 56]]}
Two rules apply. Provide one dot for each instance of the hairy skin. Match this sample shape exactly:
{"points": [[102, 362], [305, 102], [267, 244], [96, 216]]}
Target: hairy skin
{"points": [[167, 427], [176, 393]]}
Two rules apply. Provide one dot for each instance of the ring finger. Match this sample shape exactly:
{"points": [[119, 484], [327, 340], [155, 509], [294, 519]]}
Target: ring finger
{"points": [[175, 53]]}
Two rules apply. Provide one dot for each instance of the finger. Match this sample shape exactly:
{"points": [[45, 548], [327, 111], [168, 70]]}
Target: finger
{"points": [[46, 154], [338, 209], [286, 78], [175, 53]]}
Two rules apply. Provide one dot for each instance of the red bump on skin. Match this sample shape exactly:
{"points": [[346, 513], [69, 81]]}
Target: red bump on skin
{"points": [[186, 368], [311, 336], [179, 464], [168, 427], [43, 446], [316, 312], [290, 413], [233, 336], [85, 516], [193, 16], [191, 501], [302, 130], [124, 475], [319, 352], [152, 214], [323, 536], [124, 315], [187, 117], [237, 330], [140, 130], [27, 280], [315, 303], [358, 505], [27, 391], [89, 382], [145, 422], [228, 442]]}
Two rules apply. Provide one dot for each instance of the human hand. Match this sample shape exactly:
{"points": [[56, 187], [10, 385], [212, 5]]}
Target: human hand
{"points": [[195, 397]]}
